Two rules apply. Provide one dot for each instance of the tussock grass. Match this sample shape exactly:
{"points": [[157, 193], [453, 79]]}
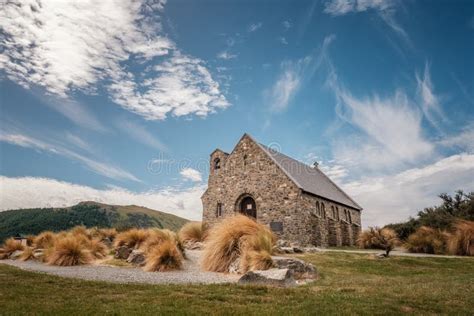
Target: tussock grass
{"points": [[97, 249], [192, 232], [164, 257], [427, 240], [231, 239], [69, 252], [378, 238], [461, 241], [157, 237], [255, 260], [44, 240], [132, 238], [9, 246], [27, 254]]}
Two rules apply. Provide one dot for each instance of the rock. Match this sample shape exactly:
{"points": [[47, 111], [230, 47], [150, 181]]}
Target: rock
{"points": [[235, 266], [297, 248], [38, 253], [300, 269], [287, 250], [280, 277], [310, 249], [16, 254], [282, 243], [381, 256], [193, 245], [122, 252], [136, 257]]}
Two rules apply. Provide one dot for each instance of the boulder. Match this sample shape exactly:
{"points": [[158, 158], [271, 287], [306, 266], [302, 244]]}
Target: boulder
{"points": [[38, 253], [300, 269], [136, 257], [286, 250], [16, 254], [310, 249], [279, 277], [122, 252], [235, 266]]}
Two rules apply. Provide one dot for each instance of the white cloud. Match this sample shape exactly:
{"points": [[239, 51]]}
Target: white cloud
{"points": [[283, 40], [463, 140], [287, 24], [392, 127], [385, 8], [64, 46], [393, 198], [140, 134], [429, 101], [191, 174], [102, 168], [254, 26], [32, 192], [226, 55]]}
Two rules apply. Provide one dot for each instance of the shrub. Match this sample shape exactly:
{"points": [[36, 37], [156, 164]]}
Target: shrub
{"points": [[80, 231], [231, 239], [44, 240], [132, 238], [191, 232], [427, 240], [68, 252], [461, 241], [97, 249], [27, 254], [255, 260], [103, 233], [378, 238], [164, 257], [156, 237]]}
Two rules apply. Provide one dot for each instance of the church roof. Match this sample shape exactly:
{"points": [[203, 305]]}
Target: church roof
{"points": [[308, 179]]}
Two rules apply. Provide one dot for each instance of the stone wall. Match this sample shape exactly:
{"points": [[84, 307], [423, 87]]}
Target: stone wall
{"points": [[249, 171]]}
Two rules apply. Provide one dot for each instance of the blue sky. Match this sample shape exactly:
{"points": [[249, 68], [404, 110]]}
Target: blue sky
{"points": [[123, 101]]}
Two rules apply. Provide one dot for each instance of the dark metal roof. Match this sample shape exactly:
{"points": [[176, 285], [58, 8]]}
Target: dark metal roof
{"points": [[308, 179]]}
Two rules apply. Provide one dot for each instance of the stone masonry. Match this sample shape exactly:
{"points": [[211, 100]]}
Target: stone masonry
{"points": [[249, 174]]}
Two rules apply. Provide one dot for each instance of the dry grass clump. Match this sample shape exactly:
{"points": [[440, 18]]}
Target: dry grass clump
{"points": [[192, 232], [157, 237], [97, 249], [461, 241], [68, 252], [44, 240], [235, 237], [132, 238], [102, 233], [427, 240], [164, 257], [27, 254], [378, 238], [9, 246]]}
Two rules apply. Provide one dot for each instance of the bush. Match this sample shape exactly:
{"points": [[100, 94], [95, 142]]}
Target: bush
{"points": [[97, 249], [132, 238], [378, 238], [191, 232], [461, 241], [9, 246], [157, 237], [68, 252], [427, 240], [236, 237], [164, 257], [44, 240]]}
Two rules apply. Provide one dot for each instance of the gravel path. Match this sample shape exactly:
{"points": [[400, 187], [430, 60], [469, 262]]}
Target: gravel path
{"points": [[191, 272]]}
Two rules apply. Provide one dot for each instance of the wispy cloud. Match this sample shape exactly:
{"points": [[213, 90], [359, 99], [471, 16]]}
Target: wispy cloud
{"points": [[283, 40], [30, 192], [191, 174], [463, 140], [292, 75], [287, 24], [68, 46], [105, 169], [139, 133], [226, 55], [254, 26], [429, 100]]}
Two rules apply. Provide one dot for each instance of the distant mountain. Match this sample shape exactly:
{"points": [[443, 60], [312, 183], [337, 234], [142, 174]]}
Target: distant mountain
{"points": [[89, 214]]}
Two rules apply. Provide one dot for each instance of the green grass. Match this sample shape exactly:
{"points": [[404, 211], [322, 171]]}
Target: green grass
{"points": [[348, 284]]}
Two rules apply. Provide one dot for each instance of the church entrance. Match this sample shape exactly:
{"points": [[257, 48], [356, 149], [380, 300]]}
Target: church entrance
{"points": [[248, 207]]}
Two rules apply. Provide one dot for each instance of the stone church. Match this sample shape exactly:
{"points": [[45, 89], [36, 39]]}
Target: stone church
{"points": [[299, 203]]}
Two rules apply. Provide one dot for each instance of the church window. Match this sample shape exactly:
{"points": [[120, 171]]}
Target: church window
{"points": [[219, 210], [217, 163]]}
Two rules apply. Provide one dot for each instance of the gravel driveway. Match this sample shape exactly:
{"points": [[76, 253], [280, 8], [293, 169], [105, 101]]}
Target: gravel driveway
{"points": [[191, 272]]}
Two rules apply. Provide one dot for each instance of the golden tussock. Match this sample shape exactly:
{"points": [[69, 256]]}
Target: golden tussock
{"points": [[164, 257]]}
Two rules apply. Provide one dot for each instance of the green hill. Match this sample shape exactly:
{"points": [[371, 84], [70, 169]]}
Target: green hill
{"points": [[89, 214]]}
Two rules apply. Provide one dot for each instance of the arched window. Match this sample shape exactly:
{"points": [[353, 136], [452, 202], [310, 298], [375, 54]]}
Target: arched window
{"points": [[349, 217], [217, 163], [323, 210], [245, 160], [337, 213], [318, 210]]}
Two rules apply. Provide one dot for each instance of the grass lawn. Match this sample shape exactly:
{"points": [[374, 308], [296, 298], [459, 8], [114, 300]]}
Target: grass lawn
{"points": [[348, 284]]}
